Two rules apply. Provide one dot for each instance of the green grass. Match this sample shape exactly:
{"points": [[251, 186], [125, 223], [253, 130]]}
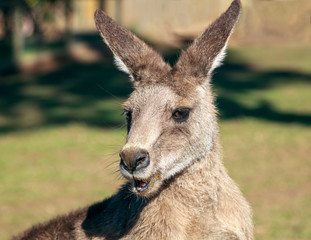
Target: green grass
{"points": [[60, 134], [271, 163], [48, 171]]}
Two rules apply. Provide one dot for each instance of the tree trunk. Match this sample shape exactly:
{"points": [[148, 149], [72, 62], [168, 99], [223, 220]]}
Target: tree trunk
{"points": [[68, 17], [102, 4], [17, 40], [118, 11]]}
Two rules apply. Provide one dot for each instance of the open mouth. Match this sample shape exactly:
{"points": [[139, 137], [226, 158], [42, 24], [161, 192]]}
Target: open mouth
{"points": [[141, 185]]}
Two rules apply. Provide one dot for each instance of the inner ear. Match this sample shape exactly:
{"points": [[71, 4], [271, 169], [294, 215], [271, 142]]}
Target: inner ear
{"points": [[218, 59], [121, 66]]}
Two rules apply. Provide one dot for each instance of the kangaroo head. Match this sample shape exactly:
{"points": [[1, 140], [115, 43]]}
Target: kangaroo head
{"points": [[170, 114]]}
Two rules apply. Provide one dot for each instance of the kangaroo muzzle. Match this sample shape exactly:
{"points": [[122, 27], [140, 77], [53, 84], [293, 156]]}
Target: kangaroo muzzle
{"points": [[134, 159]]}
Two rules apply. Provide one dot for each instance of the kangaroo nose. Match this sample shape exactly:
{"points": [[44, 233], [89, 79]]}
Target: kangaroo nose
{"points": [[134, 159]]}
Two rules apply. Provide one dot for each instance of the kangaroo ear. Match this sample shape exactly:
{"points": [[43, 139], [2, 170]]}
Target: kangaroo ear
{"points": [[208, 50], [131, 54]]}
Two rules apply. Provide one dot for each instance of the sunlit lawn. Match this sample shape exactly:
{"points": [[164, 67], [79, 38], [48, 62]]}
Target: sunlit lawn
{"points": [[59, 143]]}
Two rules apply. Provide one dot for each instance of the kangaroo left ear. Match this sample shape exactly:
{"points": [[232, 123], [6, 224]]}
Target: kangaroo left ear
{"points": [[208, 50], [131, 54]]}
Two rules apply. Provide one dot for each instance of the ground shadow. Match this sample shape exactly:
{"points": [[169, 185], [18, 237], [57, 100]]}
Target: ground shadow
{"points": [[243, 79], [91, 93]]}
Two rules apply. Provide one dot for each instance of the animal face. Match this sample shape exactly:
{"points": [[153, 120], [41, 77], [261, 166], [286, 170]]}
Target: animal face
{"points": [[167, 132], [170, 115]]}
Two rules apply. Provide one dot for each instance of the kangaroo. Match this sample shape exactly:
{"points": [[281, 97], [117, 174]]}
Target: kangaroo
{"points": [[177, 185]]}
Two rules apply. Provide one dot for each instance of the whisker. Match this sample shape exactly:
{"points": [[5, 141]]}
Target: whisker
{"points": [[111, 94]]}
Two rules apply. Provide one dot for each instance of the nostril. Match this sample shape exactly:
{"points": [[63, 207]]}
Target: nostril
{"points": [[122, 164], [142, 160]]}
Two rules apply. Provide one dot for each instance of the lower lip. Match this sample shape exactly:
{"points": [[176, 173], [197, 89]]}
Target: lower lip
{"points": [[143, 188]]}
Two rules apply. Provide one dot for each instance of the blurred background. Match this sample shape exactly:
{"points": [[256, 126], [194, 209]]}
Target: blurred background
{"points": [[60, 97]]}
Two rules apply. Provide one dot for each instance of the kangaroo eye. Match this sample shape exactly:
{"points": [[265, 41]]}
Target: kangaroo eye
{"points": [[128, 115], [181, 114]]}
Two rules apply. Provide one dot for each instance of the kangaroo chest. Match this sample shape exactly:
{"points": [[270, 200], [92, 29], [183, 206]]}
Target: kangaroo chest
{"points": [[173, 217]]}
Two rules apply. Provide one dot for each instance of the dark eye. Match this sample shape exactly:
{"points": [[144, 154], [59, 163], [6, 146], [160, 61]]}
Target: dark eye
{"points": [[181, 114], [128, 115]]}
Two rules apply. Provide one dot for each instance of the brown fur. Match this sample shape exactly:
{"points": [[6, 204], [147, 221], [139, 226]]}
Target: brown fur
{"points": [[190, 195]]}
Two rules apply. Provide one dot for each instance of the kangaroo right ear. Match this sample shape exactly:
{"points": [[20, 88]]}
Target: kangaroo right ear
{"points": [[131, 54]]}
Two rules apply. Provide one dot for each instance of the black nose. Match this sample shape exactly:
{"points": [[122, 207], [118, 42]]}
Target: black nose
{"points": [[134, 159]]}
